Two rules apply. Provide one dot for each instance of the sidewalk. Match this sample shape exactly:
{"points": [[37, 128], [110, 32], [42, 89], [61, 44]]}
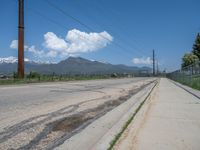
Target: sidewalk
{"points": [[170, 122]]}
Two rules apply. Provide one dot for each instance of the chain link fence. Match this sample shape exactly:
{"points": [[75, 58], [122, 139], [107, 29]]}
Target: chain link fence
{"points": [[189, 75]]}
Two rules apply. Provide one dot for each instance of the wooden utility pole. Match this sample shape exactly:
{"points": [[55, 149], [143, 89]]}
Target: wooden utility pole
{"points": [[153, 62], [157, 70], [21, 40]]}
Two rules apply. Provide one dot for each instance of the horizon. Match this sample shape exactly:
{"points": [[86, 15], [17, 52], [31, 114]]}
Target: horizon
{"points": [[100, 74], [15, 60], [52, 36]]}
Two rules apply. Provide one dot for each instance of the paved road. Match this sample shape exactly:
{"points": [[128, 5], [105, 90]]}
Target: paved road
{"points": [[171, 122], [34, 115]]}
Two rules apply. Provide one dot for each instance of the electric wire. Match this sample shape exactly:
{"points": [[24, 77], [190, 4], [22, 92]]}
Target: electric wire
{"points": [[64, 12]]}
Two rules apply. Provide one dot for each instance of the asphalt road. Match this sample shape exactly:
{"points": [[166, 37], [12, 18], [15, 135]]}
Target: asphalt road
{"points": [[29, 113]]}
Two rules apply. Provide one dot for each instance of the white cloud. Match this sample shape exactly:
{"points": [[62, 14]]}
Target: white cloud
{"points": [[32, 49], [35, 51], [76, 42], [14, 45], [52, 41], [26, 59], [142, 61], [80, 42], [52, 54]]}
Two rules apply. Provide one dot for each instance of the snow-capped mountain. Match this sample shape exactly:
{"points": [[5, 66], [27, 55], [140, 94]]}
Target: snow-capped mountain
{"points": [[11, 60], [69, 66]]}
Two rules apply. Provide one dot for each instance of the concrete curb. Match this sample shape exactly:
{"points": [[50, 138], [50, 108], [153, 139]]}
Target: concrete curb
{"points": [[103, 130], [188, 89], [132, 118], [136, 123]]}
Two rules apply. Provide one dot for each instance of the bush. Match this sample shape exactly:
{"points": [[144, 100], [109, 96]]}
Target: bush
{"points": [[33, 75]]}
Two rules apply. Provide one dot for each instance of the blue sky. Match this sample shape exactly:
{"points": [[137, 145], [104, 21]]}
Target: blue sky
{"points": [[133, 27]]}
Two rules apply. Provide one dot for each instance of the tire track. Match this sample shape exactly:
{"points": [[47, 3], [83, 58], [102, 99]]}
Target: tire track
{"points": [[58, 121], [74, 123], [26, 124]]}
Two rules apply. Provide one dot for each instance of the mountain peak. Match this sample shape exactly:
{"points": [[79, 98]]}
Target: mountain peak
{"points": [[71, 65], [75, 60]]}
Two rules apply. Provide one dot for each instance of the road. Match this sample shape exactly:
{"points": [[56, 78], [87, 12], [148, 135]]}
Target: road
{"points": [[169, 121], [34, 116]]}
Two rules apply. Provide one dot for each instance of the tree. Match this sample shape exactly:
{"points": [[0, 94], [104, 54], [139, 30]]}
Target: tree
{"points": [[189, 59], [15, 75], [196, 46]]}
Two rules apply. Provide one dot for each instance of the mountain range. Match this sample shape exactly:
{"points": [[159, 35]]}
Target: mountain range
{"points": [[71, 66]]}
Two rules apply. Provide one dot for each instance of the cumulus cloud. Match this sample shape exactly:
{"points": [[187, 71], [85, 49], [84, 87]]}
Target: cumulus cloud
{"points": [[31, 49], [14, 45], [80, 42], [76, 42], [142, 61], [35, 51], [52, 41], [52, 54]]}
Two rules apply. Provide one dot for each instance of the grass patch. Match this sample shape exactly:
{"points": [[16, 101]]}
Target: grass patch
{"points": [[42, 79], [193, 82], [114, 141]]}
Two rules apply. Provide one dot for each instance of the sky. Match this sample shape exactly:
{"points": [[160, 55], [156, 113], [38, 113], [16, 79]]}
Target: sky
{"points": [[114, 31]]}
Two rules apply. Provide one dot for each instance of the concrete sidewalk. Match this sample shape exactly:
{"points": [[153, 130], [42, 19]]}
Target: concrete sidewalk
{"points": [[170, 122]]}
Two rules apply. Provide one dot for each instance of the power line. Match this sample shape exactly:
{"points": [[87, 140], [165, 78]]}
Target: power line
{"points": [[56, 23], [125, 41], [81, 23], [60, 25], [83, 37], [124, 31], [111, 31]]}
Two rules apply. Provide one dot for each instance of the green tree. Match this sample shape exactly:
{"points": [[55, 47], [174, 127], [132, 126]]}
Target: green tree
{"points": [[189, 59], [196, 46], [15, 75]]}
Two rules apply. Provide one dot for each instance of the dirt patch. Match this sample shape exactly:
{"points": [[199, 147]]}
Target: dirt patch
{"points": [[70, 123]]}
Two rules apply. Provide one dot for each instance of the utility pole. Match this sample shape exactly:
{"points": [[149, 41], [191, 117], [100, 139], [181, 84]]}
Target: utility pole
{"points": [[157, 67], [21, 39], [153, 62]]}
